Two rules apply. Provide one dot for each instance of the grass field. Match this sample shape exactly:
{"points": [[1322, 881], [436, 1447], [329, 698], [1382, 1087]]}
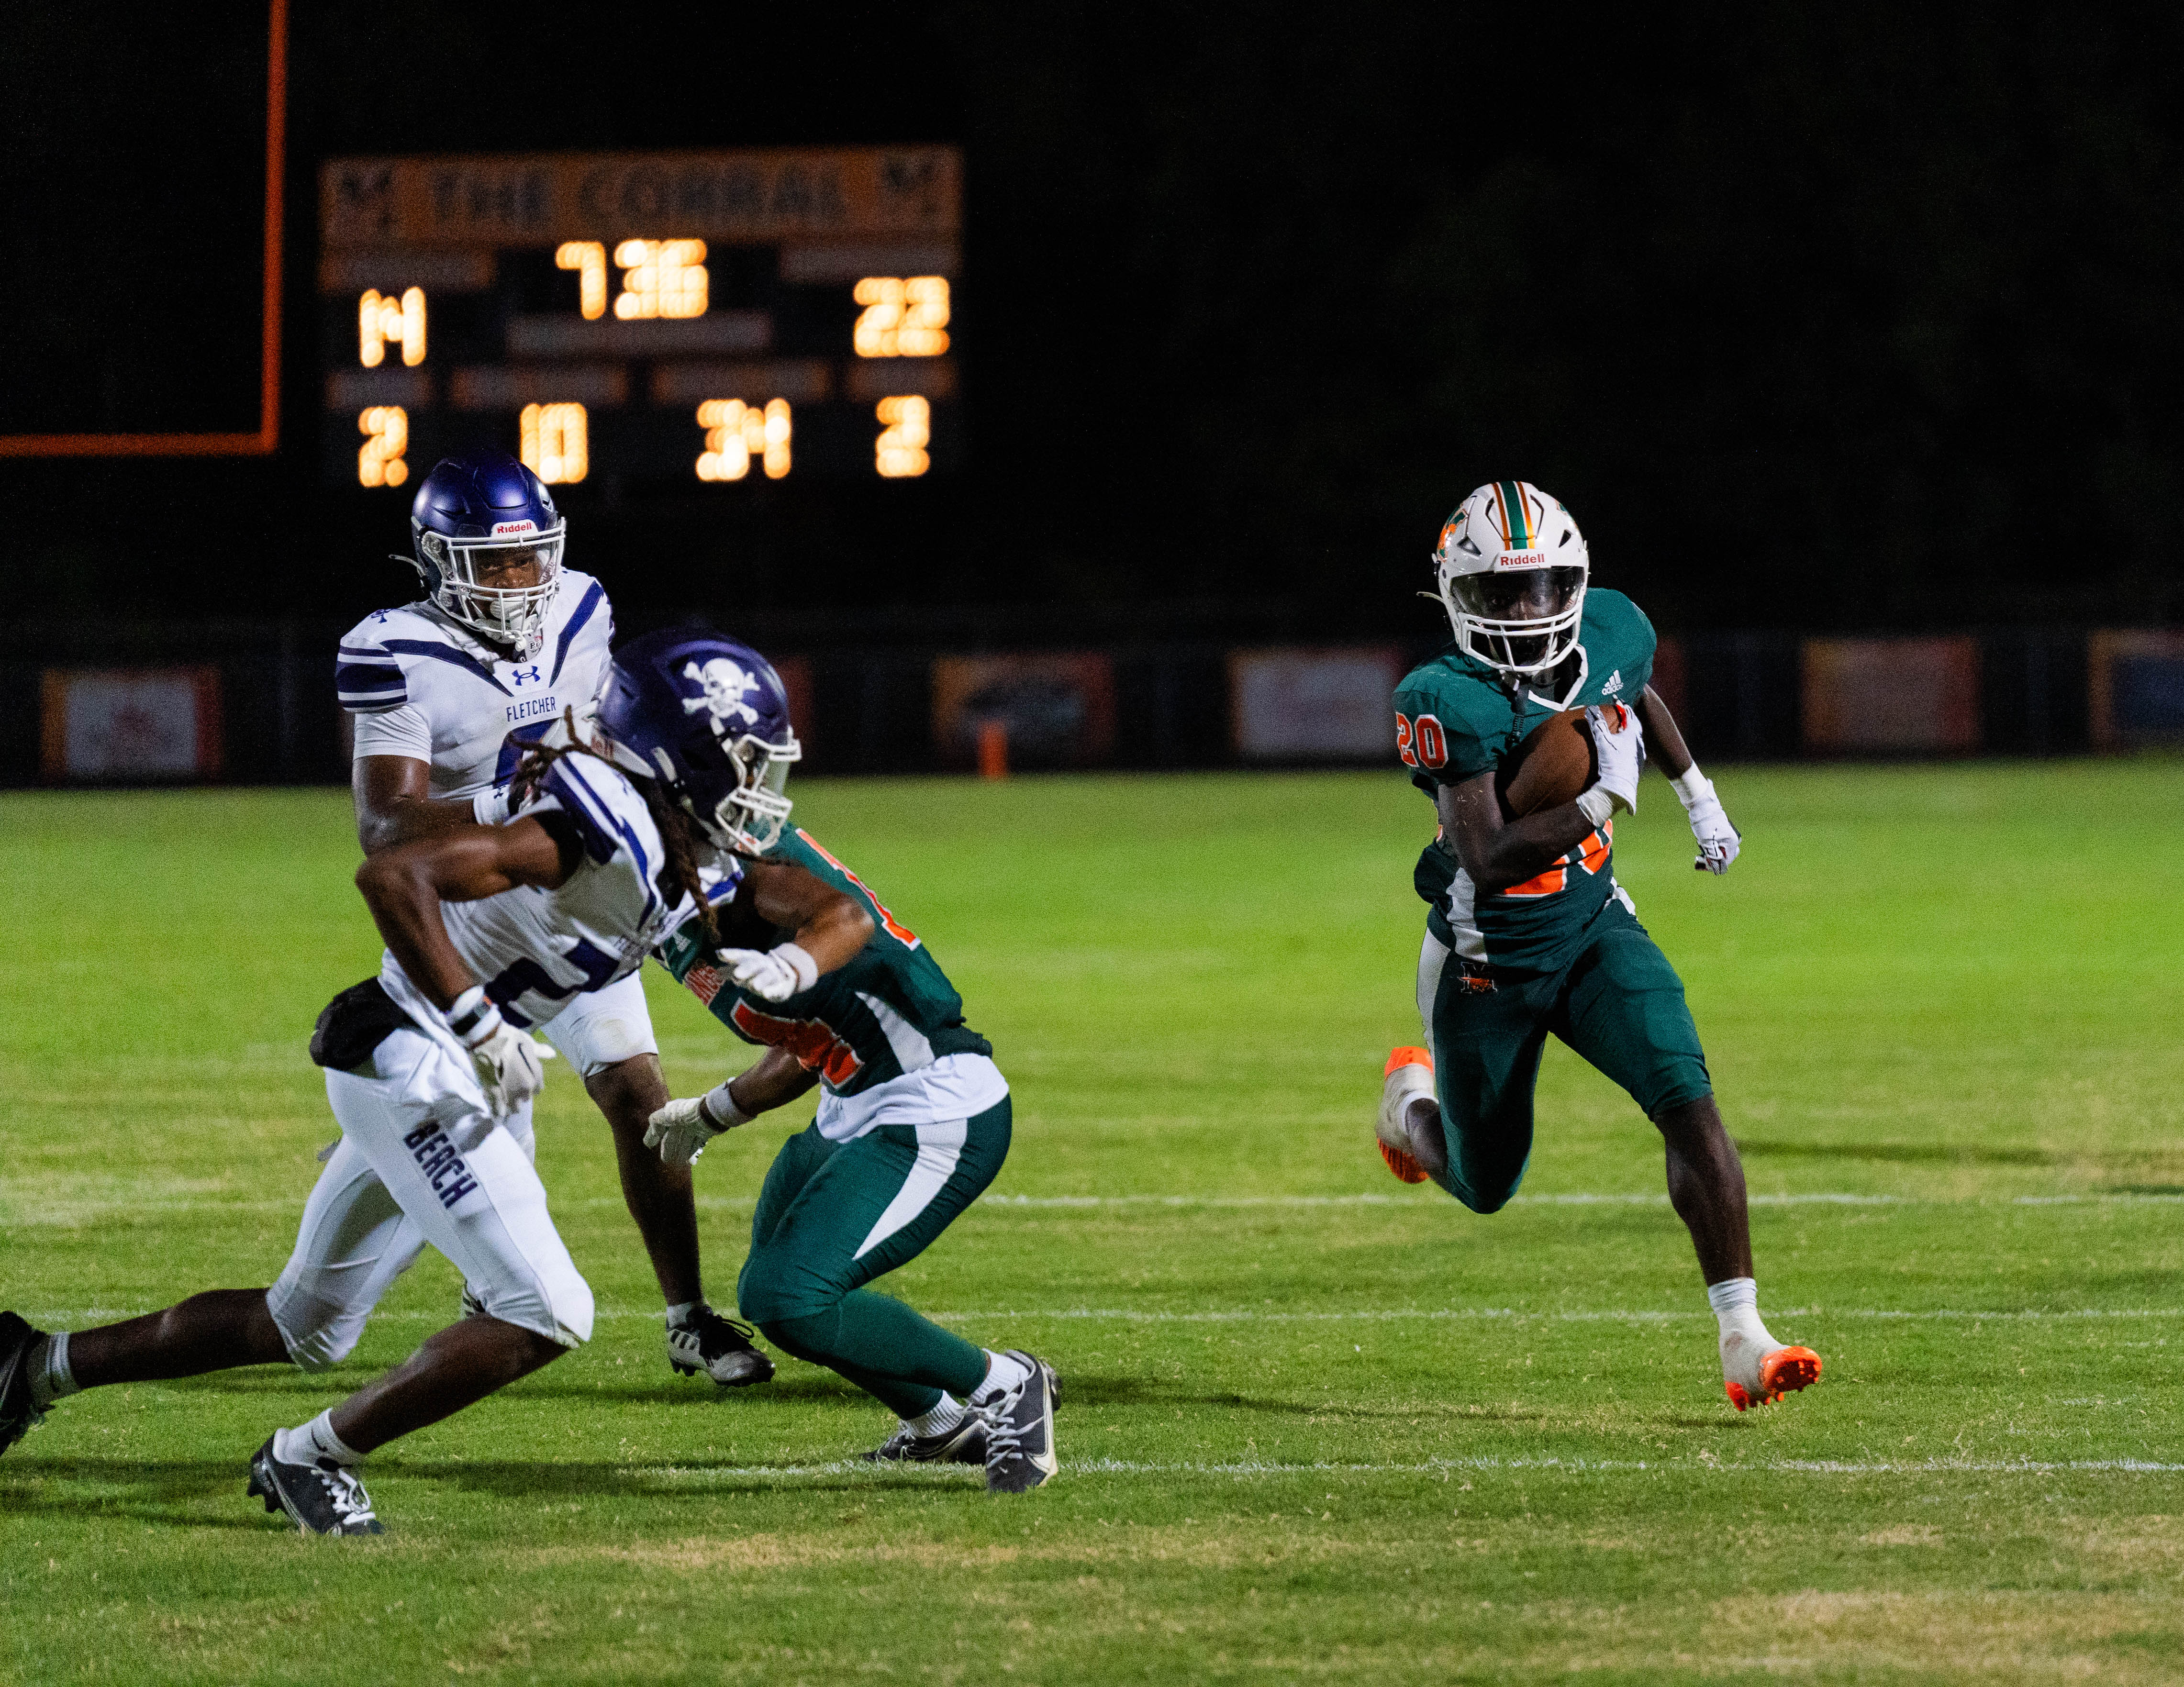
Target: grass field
{"points": [[1320, 1426]]}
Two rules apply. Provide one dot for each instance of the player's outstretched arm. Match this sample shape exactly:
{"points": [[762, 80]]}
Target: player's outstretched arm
{"points": [[827, 927], [1666, 739], [405, 885], [681, 1129], [1718, 840], [394, 803], [1498, 852]]}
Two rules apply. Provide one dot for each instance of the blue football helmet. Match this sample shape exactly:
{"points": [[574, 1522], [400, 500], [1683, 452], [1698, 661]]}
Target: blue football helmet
{"points": [[485, 505], [708, 718]]}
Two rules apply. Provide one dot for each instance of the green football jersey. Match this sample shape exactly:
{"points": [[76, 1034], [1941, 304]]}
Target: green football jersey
{"points": [[891, 1010], [1457, 718]]}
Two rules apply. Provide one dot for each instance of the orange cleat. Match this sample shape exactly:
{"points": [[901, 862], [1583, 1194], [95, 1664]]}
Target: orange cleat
{"points": [[1407, 1076], [1783, 1371], [1402, 1165]]}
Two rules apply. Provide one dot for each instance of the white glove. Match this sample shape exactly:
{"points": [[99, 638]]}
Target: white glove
{"points": [[1718, 840], [1620, 742], [681, 1129], [512, 1067], [490, 807], [775, 974]]}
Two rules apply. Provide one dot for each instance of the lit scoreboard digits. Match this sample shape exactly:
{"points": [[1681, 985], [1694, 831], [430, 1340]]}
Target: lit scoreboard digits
{"points": [[678, 321]]}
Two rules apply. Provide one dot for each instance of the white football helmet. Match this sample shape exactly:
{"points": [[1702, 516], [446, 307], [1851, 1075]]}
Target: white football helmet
{"points": [[1511, 568]]}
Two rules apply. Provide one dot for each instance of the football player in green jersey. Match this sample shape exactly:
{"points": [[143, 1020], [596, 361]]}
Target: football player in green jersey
{"points": [[1528, 931], [913, 1124]]}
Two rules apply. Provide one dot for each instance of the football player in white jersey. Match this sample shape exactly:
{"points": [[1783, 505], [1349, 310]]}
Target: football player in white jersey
{"points": [[442, 691], [487, 928]]}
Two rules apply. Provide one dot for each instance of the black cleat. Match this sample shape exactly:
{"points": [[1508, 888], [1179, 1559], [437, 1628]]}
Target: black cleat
{"points": [[966, 1443], [320, 1498], [719, 1348], [1020, 1433], [17, 1417]]}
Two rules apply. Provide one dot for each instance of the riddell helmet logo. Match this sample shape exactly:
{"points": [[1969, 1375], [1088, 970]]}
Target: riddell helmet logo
{"points": [[1521, 559], [500, 527]]}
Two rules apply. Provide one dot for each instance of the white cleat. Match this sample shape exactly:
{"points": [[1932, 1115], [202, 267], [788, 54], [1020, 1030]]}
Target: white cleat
{"points": [[1408, 1077]]}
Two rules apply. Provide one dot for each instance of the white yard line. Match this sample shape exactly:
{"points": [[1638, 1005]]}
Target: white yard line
{"points": [[75, 1317], [21, 1209], [1450, 1466]]}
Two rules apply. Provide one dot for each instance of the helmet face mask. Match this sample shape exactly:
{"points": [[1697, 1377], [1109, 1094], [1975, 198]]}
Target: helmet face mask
{"points": [[470, 584], [1511, 568], [750, 818], [486, 541], [1514, 617]]}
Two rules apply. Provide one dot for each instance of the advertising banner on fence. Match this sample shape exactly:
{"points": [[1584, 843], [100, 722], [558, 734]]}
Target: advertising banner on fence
{"points": [[120, 724], [2135, 681], [1039, 710], [1314, 705], [1891, 694]]}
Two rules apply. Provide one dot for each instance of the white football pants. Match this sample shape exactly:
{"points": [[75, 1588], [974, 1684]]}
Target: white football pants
{"points": [[1433, 956], [602, 1028], [420, 1161]]}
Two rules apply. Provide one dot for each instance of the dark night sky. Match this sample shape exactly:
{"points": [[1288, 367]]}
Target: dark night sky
{"points": [[1823, 318]]}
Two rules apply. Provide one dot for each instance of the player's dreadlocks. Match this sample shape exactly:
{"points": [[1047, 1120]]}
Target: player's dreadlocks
{"points": [[676, 828]]}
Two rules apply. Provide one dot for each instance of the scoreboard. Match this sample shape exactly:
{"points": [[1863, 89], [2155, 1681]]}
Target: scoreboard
{"points": [[700, 321]]}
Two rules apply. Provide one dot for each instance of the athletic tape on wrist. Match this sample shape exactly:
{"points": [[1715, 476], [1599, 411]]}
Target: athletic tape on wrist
{"points": [[799, 962], [471, 1016], [1596, 806], [1692, 787], [720, 1108]]}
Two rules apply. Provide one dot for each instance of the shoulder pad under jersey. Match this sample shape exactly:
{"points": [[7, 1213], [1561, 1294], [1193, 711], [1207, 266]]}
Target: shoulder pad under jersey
{"points": [[586, 621], [609, 813], [1453, 719], [1618, 642]]}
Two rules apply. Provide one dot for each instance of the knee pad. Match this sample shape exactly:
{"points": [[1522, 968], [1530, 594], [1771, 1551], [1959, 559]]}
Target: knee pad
{"points": [[556, 1304], [319, 1334]]}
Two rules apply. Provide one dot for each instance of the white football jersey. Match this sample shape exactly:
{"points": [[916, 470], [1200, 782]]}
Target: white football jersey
{"points": [[421, 684], [537, 949]]}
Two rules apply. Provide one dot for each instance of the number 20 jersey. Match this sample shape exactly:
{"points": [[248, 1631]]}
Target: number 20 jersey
{"points": [[422, 684], [537, 949], [1457, 718]]}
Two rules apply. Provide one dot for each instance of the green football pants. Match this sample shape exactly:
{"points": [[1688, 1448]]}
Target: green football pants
{"points": [[1618, 1004], [832, 1216]]}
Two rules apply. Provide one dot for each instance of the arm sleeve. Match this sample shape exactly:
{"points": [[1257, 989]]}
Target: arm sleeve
{"points": [[399, 731]]}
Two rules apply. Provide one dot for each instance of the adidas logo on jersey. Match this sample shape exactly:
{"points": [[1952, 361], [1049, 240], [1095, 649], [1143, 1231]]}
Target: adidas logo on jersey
{"points": [[1613, 685]]}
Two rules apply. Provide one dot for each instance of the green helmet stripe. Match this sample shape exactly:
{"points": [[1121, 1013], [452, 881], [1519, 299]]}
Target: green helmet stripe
{"points": [[1513, 506]]}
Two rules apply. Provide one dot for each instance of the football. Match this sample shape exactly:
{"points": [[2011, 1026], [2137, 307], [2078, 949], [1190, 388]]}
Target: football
{"points": [[1552, 765]]}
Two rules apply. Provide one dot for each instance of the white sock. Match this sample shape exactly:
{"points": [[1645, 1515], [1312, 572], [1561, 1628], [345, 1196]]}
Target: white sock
{"points": [[311, 1442], [946, 1414], [1744, 1339], [51, 1379], [681, 1313], [1004, 1375]]}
